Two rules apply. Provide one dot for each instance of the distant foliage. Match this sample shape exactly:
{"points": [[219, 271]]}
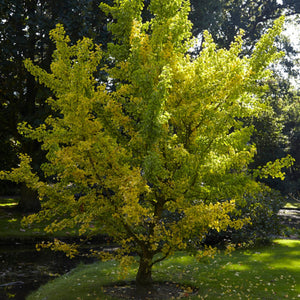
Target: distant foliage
{"points": [[265, 223]]}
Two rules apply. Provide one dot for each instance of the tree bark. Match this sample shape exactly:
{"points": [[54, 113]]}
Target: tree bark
{"points": [[29, 201], [144, 275]]}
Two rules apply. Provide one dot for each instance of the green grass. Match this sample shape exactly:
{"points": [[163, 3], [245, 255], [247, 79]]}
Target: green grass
{"points": [[8, 202], [266, 273], [10, 225], [10, 220], [11, 228], [293, 205]]}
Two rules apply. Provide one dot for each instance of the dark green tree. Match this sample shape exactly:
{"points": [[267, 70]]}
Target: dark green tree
{"points": [[24, 33], [224, 18], [292, 131]]}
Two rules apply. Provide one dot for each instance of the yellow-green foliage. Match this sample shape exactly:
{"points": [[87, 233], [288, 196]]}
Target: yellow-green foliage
{"points": [[154, 162]]}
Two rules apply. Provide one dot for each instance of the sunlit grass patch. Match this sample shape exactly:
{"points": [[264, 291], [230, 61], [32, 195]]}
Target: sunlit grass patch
{"points": [[261, 273], [238, 267], [292, 205], [288, 243], [8, 202]]}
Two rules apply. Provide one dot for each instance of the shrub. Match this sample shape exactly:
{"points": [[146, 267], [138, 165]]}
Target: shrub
{"points": [[265, 222]]}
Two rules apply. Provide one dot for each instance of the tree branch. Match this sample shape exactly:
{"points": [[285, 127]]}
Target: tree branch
{"points": [[294, 198], [162, 258]]}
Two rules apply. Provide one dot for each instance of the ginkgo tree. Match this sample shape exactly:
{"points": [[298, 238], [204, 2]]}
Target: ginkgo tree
{"points": [[158, 154]]}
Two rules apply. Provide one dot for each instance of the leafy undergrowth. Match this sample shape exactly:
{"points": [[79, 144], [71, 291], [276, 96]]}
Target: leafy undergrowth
{"points": [[264, 273]]}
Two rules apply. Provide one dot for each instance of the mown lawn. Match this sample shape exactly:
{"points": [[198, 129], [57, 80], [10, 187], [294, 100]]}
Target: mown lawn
{"points": [[271, 272], [11, 228]]}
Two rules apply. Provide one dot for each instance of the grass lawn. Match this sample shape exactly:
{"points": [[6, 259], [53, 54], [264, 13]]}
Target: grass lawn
{"points": [[10, 223], [8, 201], [10, 220], [10, 228], [292, 205], [271, 272]]}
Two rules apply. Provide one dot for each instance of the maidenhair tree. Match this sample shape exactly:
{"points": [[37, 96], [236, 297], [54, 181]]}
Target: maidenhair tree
{"points": [[157, 155]]}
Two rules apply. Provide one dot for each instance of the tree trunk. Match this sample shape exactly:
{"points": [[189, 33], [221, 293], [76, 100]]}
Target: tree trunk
{"points": [[144, 275], [29, 201]]}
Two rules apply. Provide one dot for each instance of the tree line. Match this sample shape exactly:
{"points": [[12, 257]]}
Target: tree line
{"points": [[24, 33]]}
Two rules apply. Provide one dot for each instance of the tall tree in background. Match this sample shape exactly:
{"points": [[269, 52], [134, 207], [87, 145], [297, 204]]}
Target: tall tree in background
{"points": [[277, 132], [275, 135], [224, 18], [24, 33], [163, 158]]}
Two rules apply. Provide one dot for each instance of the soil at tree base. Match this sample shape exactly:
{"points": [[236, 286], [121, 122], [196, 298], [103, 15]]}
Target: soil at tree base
{"points": [[158, 291]]}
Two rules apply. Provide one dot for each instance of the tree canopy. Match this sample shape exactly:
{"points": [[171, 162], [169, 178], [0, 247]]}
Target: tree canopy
{"points": [[24, 33], [163, 157], [24, 29]]}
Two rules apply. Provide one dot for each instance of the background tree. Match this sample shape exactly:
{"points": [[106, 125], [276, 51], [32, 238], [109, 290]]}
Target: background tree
{"points": [[224, 18], [277, 131], [162, 159], [24, 33], [273, 129]]}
